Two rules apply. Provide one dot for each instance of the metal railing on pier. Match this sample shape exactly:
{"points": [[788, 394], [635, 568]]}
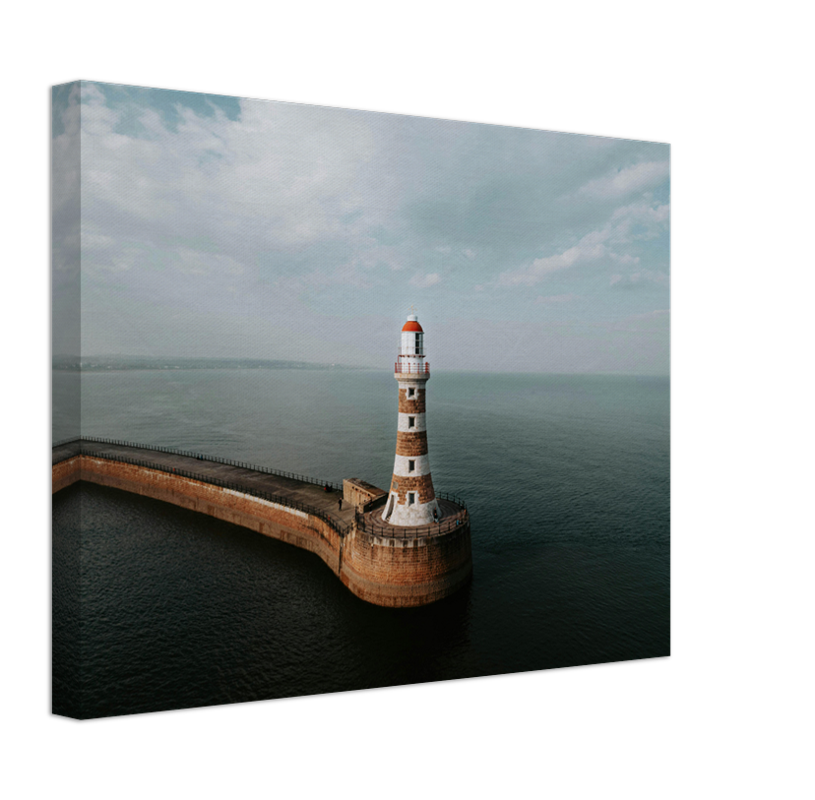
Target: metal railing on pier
{"points": [[198, 456], [339, 527], [452, 498], [69, 440]]}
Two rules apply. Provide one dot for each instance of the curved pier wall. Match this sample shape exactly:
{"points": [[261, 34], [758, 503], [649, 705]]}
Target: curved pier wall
{"points": [[277, 521], [407, 572], [65, 473], [385, 571]]}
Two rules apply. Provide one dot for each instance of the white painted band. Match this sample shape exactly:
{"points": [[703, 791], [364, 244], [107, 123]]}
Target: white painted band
{"points": [[419, 423], [296, 512], [406, 515], [421, 466]]}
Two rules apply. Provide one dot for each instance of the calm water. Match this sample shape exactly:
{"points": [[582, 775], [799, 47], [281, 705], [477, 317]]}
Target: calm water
{"points": [[566, 479]]}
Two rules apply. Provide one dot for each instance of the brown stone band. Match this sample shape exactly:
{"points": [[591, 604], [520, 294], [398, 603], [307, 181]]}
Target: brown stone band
{"points": [[416, 405], [423, 484], [411, 444]]}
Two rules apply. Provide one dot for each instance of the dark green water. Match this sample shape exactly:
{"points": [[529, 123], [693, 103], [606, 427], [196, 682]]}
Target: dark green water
{"points": [[566, 478]]}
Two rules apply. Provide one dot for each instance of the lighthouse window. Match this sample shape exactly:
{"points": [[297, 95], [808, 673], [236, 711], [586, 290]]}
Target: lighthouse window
{"points": [[411, 422], [419, 342], [411, 466], [411, 392], [411, 498]]}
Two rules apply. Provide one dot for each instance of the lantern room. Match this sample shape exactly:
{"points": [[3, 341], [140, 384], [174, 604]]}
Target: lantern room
{"points": [[412, 338]]}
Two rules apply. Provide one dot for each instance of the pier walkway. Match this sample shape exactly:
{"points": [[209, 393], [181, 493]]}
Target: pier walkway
{"points": [[300, 490]]}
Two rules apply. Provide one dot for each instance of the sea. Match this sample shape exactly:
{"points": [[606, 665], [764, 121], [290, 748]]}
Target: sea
{"points": [[566, 478]]}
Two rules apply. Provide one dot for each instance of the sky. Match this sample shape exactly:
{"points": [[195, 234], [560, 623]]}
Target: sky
{"points": [[227, 227]]}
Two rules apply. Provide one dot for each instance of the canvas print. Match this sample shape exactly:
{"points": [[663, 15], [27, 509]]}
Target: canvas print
{"points": [[345, 400]]}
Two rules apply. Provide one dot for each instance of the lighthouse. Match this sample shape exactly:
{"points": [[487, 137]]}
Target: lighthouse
{"points": [[412, 500]]}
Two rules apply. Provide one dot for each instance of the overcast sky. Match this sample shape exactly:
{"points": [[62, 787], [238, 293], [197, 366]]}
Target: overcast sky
{"points": [[216, 226]]}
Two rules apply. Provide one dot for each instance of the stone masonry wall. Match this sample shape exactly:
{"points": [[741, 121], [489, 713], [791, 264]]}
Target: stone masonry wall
{"points": [[407, 572], [416, 405], [360, 493], [389, 572], [423, 484], [411, 444], [270, 519], [65, 473]]}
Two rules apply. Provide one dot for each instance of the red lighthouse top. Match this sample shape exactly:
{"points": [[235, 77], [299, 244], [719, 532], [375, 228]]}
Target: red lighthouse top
{"points": [[412, 325]]}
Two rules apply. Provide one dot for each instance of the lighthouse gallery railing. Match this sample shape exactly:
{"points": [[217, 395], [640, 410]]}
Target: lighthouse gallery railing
{"points": [[415, 369], [449, 523]]}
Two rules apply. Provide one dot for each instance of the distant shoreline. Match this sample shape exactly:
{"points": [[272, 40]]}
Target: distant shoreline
{"points": [[200, 369], [131, 364]]}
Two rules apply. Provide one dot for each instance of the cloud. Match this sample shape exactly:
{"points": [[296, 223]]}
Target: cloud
{"points": [[629, 224], [638, 280], [288, 215], [425, 281], [624, 260], [589, 248], [259, 183], [627, 181], [640, 221], [554, 299], [370, 257]]}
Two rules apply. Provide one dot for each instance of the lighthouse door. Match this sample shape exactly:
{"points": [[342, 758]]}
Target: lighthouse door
{"points": [[389, 510]]}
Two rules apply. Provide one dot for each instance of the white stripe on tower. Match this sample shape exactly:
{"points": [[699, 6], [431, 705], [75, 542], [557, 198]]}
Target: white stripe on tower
{"points": [[412, 423]]}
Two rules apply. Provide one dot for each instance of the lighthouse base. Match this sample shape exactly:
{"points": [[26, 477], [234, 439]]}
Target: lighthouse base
{"points": [[410, 516], [404, 571]]}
